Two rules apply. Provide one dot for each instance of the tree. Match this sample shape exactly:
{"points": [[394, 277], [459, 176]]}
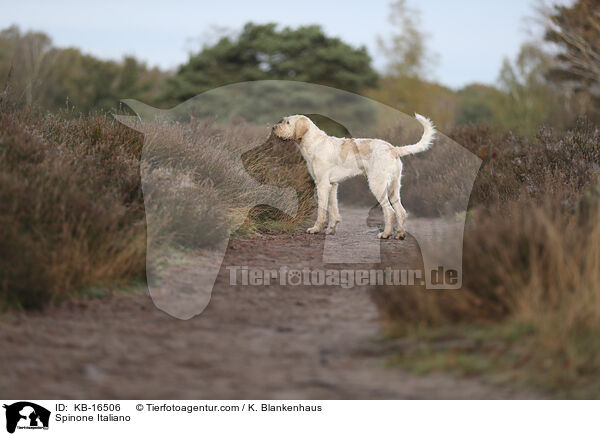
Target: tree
{"points": [[404, 86], [34, 72], [531, 99], [25, 58], [575, 31], [406, 50], [264, 52]]}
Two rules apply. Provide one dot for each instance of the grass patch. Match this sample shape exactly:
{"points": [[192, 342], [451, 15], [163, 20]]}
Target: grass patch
{"points": [[504, 354]]}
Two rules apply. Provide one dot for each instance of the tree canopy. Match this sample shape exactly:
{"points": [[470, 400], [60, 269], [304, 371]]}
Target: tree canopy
{"points": [[264, 51]]}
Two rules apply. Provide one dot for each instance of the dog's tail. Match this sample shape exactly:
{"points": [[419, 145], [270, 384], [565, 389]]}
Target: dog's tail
{"points": [[424, 143]]}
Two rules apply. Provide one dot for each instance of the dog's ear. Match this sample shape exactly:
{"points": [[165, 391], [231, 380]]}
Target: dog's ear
{"points": [[301, 127]]}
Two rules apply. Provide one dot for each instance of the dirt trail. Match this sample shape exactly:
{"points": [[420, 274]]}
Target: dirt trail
{"points": [[251, 342]]}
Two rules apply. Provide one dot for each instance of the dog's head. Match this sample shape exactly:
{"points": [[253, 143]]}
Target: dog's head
{"points": [[293, 127]]}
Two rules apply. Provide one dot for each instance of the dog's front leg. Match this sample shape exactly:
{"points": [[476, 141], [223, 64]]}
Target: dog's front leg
{"points": [[323, 189]]}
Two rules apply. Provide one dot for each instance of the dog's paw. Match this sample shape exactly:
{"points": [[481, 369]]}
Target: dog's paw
{"points": [[313, 230], [330, 231], [399, 235], [384, 235]]}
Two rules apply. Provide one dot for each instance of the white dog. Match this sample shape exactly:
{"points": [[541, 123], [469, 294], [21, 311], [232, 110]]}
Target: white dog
{"points": [[331, 160]]}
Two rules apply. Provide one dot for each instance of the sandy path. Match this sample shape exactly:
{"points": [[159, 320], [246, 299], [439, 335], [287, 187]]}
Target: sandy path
{"points": [[251, 342]]}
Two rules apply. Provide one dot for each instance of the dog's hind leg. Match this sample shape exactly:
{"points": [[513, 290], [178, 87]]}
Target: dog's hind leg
{"points": [[379, 190], [334, 213], [394, 193]]}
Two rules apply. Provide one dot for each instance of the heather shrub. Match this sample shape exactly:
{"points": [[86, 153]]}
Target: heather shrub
{"points": [[73, 212], [71, 208], [531, 247]]}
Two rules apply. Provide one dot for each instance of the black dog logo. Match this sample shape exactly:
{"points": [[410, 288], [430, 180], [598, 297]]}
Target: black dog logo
{"points": [[26, 415]]}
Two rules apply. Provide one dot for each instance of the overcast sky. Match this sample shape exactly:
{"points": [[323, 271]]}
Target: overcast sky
{"points": [[470, 37]]}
